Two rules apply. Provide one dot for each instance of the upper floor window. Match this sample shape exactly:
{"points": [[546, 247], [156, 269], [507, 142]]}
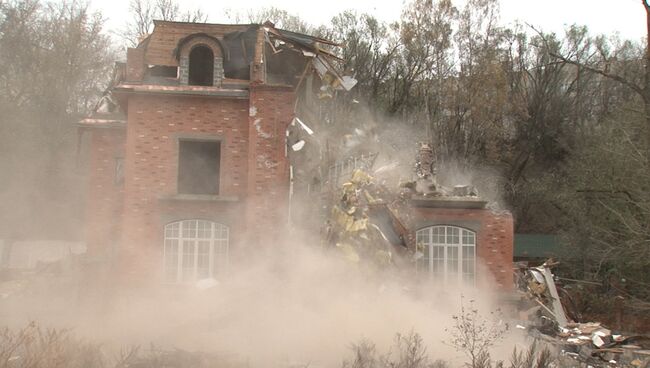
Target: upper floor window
{"points": [[195, 250], [201, 68], [449, 253], [198, 167]]}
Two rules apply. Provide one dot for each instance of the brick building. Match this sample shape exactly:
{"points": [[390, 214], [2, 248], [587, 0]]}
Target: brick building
{"points": [[189, 147], [188, 152], [462, 236]]}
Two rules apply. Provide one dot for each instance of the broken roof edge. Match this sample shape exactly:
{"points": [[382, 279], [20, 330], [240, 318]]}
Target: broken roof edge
{"points": [[144, 43], [286, 33], [267, 24], [161, 21]]}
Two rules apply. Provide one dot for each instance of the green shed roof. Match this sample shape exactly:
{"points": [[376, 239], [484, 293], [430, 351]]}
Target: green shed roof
{"points": [[536, 245]]}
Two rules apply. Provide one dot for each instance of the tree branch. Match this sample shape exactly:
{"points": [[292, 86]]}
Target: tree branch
{"points": [[605, 74]]}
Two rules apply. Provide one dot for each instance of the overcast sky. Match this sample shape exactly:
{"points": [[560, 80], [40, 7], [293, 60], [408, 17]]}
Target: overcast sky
{"points": [[626, 17]]}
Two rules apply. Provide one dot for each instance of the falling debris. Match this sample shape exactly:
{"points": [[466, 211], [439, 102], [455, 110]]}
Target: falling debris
{"points": [[298, 145], [302, 125], [284, 43], [370, 221], [331, 79]]}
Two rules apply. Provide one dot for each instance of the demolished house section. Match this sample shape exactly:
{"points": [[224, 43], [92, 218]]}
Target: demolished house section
{"points": [[550, 316], [447, 236], [209, 139]]}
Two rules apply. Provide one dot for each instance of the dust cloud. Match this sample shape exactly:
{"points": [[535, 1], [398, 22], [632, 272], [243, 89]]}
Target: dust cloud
{"points": [[295, 303], [289, 304]]}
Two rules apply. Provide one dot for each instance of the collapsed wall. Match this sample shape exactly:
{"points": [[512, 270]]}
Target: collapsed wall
{"points": [[446, 235]]}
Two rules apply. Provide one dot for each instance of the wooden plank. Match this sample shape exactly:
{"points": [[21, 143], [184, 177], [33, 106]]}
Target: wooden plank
{"points": [[558, 310]]}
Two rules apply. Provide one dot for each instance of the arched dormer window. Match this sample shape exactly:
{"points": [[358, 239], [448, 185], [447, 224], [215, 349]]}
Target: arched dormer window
{"points": [[200, 58], [448, 254], [201, 71]]}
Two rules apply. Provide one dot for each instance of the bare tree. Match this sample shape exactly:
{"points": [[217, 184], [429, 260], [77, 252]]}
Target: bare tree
{"points": [[474, 335], [56, 62], [642, 88], [144, 12], [280, 17]]}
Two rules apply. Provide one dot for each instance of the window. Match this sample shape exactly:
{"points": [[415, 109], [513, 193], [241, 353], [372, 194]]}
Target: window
{"points": [[194, 250], [201, 66], [449, 253], [198, 167]]}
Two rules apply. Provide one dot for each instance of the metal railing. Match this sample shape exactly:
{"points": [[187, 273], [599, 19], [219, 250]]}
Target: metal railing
{"points": [[343, 169]]}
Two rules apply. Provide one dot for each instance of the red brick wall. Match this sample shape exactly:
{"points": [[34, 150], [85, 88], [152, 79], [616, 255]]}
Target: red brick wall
{"points": [[104, 195], [494, 238], [135, 67], [155, 124], [271, 112]]}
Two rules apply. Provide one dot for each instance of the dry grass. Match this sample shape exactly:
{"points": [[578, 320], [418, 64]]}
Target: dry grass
{"points": [[409, 352], [35, 347]]}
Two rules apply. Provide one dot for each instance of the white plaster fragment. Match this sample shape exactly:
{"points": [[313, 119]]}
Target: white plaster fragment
{"points": [[304, 126], [260, 132], [252, 111], [298, 145]]}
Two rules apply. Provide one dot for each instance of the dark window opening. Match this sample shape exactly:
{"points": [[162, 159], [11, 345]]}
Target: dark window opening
{"points": [[201, 66], [198, 167], [283, 67], [240, 50]]}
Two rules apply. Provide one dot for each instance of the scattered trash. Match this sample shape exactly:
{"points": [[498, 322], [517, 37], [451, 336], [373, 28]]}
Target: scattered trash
{"points": [[590, 343]]}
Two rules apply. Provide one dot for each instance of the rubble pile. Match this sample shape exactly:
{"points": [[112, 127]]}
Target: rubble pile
{"points": [[350, 228], [589, 343], [426, 183]]}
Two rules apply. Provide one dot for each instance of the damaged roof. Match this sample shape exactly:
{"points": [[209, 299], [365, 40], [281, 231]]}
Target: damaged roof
{"points": [[168, 35]]}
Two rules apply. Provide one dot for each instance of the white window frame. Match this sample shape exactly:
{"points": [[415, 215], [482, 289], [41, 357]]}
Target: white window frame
{"points": [[182, 242], [449, 254]]}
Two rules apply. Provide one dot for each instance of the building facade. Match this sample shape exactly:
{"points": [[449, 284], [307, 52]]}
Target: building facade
{"points": [[188, 157], [187, 151]]}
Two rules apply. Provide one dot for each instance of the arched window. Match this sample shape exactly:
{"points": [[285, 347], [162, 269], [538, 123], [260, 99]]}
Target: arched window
{"points": [[194, 250], [449, 253], [201, 71]]}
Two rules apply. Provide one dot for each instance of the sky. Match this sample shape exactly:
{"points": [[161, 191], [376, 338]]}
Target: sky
{"points": [[625, 17]]}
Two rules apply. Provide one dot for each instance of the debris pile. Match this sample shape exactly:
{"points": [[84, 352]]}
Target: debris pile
{"points": [[426, 183], [369, 221], [589, 343], [351, 229]]}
